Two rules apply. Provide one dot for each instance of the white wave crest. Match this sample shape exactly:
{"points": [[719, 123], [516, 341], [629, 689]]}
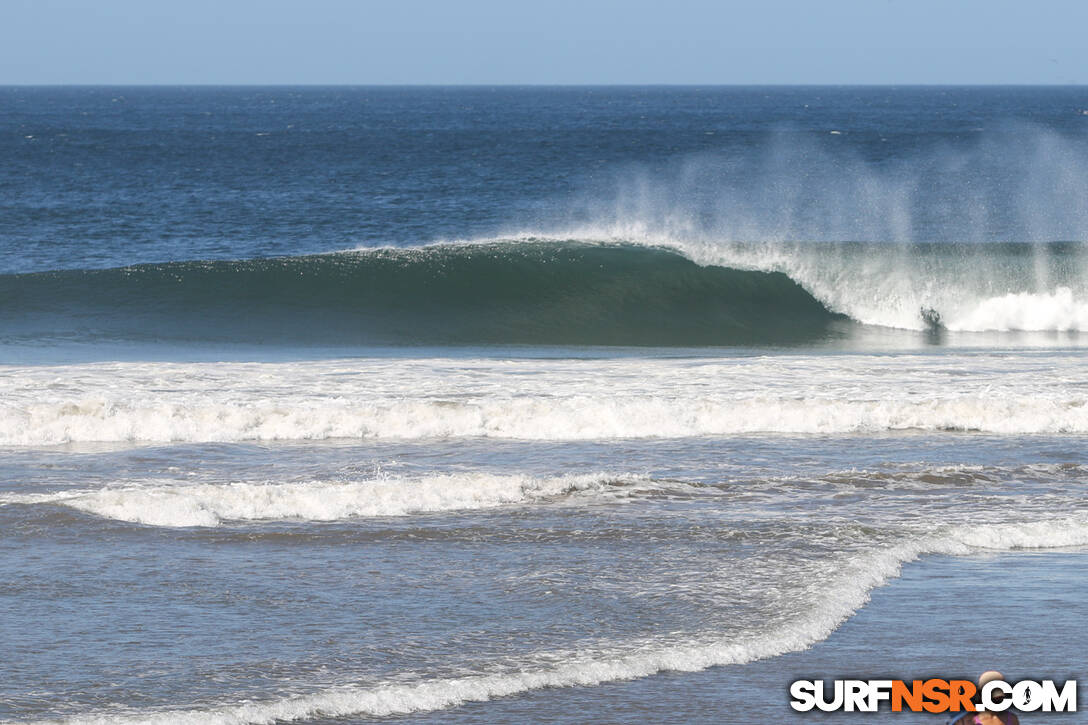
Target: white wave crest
{"points": [[833, 599], [211, 504]]}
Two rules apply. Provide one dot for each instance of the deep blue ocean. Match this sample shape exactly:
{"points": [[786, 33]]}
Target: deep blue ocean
{"points": [[583, 404]]}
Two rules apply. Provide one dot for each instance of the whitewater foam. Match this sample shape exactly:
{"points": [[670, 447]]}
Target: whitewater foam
{"points": [[542, 399], [573, 419], [1059, 311], [211, 504]]}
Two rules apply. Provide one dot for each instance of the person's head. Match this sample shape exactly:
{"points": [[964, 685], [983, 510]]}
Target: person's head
{"points": [[990, 718]]}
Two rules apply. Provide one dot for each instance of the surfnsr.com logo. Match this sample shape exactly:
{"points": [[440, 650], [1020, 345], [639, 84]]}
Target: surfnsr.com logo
{"points": [[933, 695]]}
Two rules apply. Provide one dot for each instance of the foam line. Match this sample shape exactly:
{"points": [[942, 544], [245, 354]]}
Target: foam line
{"points": [[211, 504], [833, 601], [578, 418]]}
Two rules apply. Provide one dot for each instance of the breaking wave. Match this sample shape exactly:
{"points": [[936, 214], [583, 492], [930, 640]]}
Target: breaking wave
{"points": [[594, 287], [548, 292]]}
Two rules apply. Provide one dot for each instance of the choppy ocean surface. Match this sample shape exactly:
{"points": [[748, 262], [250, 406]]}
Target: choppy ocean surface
{"points": [[536, 404]]}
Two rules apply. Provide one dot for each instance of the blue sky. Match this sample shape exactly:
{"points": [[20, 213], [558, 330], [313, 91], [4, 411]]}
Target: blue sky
{"points": [[558, 41]]}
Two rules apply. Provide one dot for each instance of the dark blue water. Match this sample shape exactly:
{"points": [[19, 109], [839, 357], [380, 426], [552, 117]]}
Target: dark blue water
{"points": [[103, 177]]}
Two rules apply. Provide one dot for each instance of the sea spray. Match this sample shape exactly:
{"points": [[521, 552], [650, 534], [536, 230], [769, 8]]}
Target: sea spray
{"points": [[1010, 182]]}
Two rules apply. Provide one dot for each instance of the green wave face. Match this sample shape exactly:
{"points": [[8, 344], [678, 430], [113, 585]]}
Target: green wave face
{"points": [[504, 292]]}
